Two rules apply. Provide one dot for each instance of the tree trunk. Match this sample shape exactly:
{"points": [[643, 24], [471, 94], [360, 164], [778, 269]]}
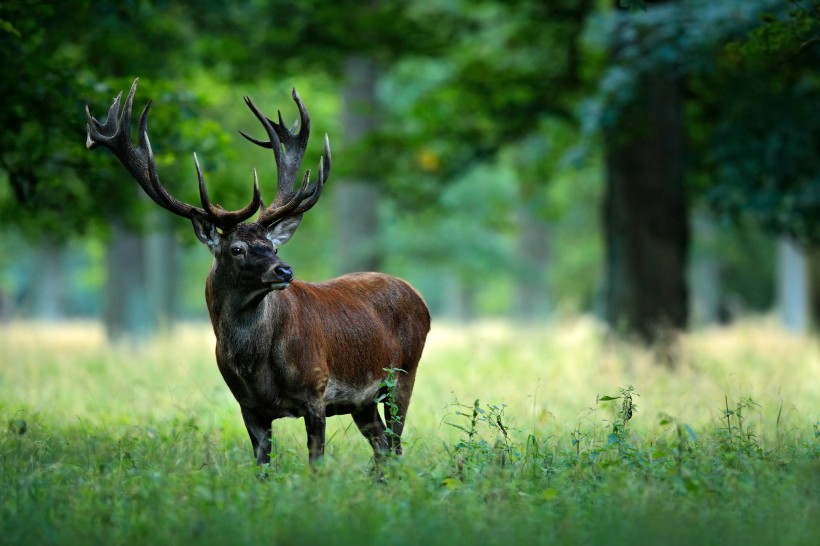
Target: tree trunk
{"points": [[458, 301], [706, 301], [161, 269], [357, 198], [126, 309], [533, 254], [48, 294], [814, 281], [646, 214], [793, 286]]}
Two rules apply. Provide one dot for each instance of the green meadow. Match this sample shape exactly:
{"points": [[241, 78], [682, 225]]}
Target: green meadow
{"points": [[516, 435]]}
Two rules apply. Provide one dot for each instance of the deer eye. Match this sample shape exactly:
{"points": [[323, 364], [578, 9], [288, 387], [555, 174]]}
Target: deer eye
{"points": [[237, 250]]}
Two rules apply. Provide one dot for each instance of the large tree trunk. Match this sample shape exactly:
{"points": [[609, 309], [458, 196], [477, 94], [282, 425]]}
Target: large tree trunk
{"points": [[357, 198], [48, 292], [126, 309], [161, 251], [793, 286], [141, 275], [646, 214], [706, 302], [533, 252], [458, 298], [814, 281]]}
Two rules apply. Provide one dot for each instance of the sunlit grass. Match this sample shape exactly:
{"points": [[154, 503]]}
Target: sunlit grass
{"points": [[548, 377], [143, 443]]}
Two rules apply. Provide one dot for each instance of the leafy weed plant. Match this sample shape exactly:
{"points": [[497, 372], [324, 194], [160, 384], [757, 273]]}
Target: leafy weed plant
{"points": [[390, 384]]}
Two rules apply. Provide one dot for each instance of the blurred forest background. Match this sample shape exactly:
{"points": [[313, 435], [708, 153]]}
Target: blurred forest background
{"points": [[652, 163]]}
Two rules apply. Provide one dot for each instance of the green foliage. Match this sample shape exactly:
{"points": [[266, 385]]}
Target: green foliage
{"points": [[37, 155], [491, 89], [784, 33], [51, 69], [244, 42], [759, 146], [677, 39], [480, 114], [49, 72], [633, 5], [442, 66], [465, 232], [750, 70]]}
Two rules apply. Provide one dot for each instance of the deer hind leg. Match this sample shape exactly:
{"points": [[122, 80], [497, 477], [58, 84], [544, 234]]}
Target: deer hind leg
{"points": [[259, 430], [315, 428], [396, 420], [371, 426]]}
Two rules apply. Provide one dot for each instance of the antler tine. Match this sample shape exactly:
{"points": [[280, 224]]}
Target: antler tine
{"points": [[114, 134], [96, 131], [154, 189], [222, 216], [324, 173], [289, 150], [281, 141]]}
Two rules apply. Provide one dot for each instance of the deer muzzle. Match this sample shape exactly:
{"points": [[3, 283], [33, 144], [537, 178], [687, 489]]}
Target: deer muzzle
{"points": [[278, 277]]}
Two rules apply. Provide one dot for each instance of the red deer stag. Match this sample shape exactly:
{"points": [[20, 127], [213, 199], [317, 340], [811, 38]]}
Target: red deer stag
{"points": [[288, 348]]}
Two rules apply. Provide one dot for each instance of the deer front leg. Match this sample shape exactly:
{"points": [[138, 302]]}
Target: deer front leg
{"points": [[259, 429], [315, 428]]}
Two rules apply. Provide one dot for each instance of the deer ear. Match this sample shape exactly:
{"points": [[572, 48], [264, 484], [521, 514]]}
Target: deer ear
{"points": [[205, 232], [281, 232]]}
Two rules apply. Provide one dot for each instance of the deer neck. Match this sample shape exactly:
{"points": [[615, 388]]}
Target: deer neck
{"points": [[243, 317]]}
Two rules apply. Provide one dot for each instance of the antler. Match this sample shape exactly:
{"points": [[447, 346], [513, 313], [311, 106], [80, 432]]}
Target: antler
{"points": [[115, 135], [288, 152]]}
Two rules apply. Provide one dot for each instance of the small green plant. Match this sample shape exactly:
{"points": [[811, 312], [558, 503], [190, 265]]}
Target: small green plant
{"points": [[390, 384], [469, 448], [621, 421], [473, 449], [673, 455], [738, 436], [577, 436], [494, 418]]}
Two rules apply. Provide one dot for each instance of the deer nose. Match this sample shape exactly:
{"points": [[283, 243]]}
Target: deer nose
{"points": [[284, 272]]}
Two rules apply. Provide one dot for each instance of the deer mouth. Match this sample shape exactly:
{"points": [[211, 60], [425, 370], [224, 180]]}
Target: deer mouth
{"points": [[278, 277]]}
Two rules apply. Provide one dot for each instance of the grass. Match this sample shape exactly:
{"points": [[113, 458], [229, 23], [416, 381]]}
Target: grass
{"points": [[515, 435]]}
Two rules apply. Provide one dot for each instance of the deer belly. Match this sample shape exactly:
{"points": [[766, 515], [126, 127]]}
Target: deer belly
{"points": [[341, 394]]}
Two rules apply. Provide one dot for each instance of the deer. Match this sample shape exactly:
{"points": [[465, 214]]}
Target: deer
{"points": [[286, 347]]}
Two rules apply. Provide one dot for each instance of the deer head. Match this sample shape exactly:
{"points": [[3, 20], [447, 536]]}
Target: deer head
{"points": [[246, 252]]}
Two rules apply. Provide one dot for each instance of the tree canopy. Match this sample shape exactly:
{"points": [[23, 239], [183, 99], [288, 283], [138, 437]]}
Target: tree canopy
{"points": [[487, 108]]}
